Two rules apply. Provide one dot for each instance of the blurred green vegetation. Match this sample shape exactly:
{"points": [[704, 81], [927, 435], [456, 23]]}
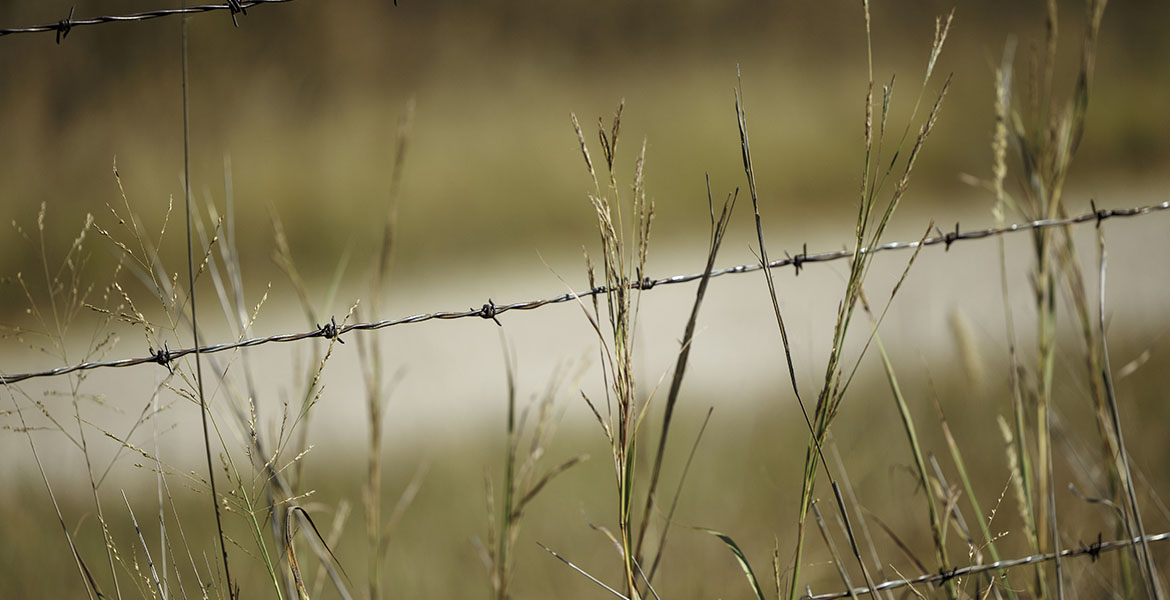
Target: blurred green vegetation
{"points": [[304, 98], [743, 482]]}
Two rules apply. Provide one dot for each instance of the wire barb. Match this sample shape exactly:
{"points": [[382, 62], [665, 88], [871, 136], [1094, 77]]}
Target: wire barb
{"points": [[952, 236], [330, 331], [1093, 550], [65, 25], [945, 575], [488, 311], [1101, 214], [798, 260], [236, 8], [163, 357], [492, 310]]}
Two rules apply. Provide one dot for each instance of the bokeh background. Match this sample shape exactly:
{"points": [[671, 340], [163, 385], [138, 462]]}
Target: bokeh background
{"points": [[297, 113]]}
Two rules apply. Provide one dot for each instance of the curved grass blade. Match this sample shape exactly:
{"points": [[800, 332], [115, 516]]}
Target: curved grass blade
{"points": [[293, 564], [743, 561]]}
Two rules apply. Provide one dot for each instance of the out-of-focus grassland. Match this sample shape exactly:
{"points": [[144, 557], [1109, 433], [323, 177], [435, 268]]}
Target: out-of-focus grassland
{"points": [[741, 483], [305, 98]]}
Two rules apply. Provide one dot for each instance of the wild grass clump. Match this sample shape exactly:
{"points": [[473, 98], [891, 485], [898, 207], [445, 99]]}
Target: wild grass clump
{"points": [[272, 512], [523, 479], [1038, 137], [622, 264], [873, 217]]}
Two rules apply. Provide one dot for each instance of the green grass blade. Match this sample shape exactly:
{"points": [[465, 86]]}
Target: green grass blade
{"points": [[743, 561]]}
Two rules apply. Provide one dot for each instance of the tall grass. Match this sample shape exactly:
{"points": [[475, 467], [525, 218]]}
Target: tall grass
{"points": [[374, 368], [872, 219], [1045, 136], [261, 457], [622, 264], [523, 479]]}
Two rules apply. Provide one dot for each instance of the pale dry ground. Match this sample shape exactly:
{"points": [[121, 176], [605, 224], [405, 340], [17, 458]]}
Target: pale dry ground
{"points": [[452, 375]]}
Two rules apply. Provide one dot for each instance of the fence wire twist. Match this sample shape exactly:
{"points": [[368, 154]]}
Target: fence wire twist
{"points": [[64, 26], [1093, 551], [490, 310]]}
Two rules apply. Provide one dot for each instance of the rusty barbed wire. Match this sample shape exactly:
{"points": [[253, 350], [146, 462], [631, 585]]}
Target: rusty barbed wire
{"points": [[64, 26], [1093, 551], [492, 311]]}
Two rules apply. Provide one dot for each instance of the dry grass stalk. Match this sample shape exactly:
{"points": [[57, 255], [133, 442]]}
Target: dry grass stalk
{"points": [[373, 368], [1046, 141], [623, 265], [868, 234]]}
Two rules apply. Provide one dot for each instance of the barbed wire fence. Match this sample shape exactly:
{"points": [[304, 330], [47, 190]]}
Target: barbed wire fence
{"points": [[1092, 551], [64, 26], [491, 310]]}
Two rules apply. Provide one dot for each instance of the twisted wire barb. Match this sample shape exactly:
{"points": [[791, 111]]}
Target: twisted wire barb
{"points": [[1093, 551], [64, 26], [491, 310]]}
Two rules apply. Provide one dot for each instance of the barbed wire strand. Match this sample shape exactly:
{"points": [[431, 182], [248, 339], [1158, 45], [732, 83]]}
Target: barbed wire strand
{"points": [[1093, 551], [490, 310], [64, 26]]}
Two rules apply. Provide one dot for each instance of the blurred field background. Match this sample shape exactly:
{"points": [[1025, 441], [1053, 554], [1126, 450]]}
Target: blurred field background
{"points": [[300, 109]]}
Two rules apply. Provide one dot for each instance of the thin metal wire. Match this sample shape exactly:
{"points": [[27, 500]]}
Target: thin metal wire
{"points": [[62, 27], [492, 311], [1093, 551]]}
